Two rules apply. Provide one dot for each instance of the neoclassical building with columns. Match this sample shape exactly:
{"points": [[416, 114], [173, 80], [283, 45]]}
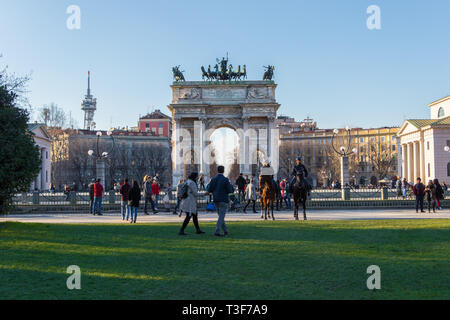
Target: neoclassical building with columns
{"points": [[422, 143], [44, 142]]}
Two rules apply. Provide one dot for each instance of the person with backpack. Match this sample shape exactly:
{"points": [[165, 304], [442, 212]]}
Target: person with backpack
{"points": [[419, 192], [189, 194], [134, 197], [220, 187]]}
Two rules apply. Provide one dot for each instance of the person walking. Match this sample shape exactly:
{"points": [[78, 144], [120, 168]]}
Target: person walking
{"points": [[398, 185], [430, 193], [98, 196], [177, 193], [134, 197], [250, 196], [220, 187], [240, 182], [148, 195], [419, 192], [439, 193], [444, 187], [202, 182], [189, 204], [91, 196], [285, 194], [156, 188], [405, 186], [125, 208]]}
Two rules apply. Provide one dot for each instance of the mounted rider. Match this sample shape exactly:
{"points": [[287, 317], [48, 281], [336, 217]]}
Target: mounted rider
{"points": [[301, 171]]}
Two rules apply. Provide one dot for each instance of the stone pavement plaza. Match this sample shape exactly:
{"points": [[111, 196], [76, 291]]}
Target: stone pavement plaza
{"points": [[165, 217]]}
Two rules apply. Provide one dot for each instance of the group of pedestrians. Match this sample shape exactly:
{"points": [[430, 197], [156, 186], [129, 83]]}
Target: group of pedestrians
{"points": [[219, 187], [433, 192], [248, 192]]}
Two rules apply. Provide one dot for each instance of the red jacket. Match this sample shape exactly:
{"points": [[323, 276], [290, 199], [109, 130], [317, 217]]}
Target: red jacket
{"points": [[98, 190], [155, 188]]}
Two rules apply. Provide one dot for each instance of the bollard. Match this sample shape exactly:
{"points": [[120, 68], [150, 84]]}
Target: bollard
{"points": [[36, 197], [345, 193], [112, 197], [384, 193]]}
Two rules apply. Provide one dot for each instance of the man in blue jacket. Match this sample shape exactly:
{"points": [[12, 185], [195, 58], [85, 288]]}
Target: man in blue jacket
{"points": [[220, 187]]}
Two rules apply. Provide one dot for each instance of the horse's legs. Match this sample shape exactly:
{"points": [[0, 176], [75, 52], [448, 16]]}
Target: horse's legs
{"points": [[296, 209], [304, 209], [273, 217], [262, 208]]}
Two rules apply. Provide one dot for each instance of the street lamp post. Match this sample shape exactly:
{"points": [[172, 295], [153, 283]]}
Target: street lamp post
{"points": [[101, 156], [343, 152]]}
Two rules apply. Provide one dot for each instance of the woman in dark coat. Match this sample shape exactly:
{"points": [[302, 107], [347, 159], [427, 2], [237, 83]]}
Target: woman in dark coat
{"points": [[439, 193], [134, 197]]}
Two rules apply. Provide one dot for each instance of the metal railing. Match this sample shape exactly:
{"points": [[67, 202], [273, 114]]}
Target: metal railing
{"points": [[112, 197]]}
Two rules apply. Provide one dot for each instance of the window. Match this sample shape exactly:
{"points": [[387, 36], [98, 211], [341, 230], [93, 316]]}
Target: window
{"points": [[393, 148], [429, 170], [428, 148], [441, 112], [147, 125], [46, 154], [161, 129], [448, 169], [361, 149], [383, 139]]}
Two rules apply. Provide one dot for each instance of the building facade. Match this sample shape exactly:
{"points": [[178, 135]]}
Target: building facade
{"points": [[375, 159], [43, 140], [130, 155], [422, 143], [156, 122]]}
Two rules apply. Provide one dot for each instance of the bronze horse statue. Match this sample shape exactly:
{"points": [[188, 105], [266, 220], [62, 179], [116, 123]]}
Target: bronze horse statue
{"points": [[268, 75], [300, 195], [177, 74], [268, 193]]}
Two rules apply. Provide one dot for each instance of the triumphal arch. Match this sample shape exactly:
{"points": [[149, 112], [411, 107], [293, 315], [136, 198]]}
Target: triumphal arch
{"points": [[200, 107]]}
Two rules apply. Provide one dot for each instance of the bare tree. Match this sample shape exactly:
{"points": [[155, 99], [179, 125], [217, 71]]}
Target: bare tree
{"points": [[52, 116]]}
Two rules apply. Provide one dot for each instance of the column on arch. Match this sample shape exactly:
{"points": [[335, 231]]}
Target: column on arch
{"points": [[410, 177], [177, 156]]}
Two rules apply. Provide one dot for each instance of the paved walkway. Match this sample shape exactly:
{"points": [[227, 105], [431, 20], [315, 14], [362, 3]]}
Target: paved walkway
{"points": [[165, 217]]}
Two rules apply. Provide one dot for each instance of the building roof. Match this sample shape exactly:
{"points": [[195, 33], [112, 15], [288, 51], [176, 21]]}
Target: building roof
{"points": [[157, 114], [421, 123], [439, 101]]}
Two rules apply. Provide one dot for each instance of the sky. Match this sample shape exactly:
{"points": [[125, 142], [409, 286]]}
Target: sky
{"points": [[329, 65]]}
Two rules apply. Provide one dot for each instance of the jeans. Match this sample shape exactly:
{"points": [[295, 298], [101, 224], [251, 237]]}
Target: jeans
{"points": [[125, 208], [147, 200], [241, 195], [134, 213], [254, 205], [91, 205], [287, 200], [97, 205], [221, 211], [419, 202], [156, 201]]}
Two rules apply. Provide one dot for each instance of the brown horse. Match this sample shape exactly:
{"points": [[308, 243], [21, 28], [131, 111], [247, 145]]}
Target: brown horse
{"points": [[268, 193]]}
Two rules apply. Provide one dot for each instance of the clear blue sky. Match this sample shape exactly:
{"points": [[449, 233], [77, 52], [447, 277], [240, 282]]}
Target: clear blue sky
{"points": [[328, 64]]}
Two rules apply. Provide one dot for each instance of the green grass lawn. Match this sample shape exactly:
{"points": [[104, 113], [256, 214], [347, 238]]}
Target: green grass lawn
{"points": [[259, 260]]}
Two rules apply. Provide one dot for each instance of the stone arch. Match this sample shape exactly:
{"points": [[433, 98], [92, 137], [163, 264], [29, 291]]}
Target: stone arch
{"points": [[230, 105]]}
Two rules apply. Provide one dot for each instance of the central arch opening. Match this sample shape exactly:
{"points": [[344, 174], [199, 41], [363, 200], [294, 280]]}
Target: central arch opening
{"points": [[225, 151]]}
